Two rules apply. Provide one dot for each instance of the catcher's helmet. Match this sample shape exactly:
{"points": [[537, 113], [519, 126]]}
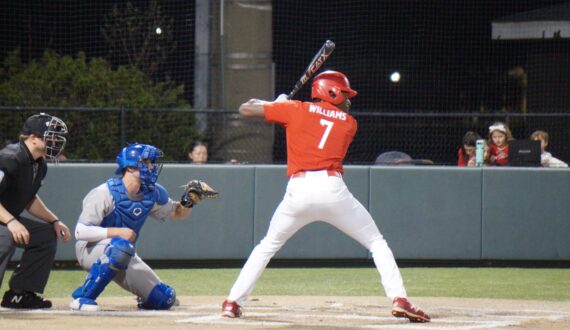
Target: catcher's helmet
{"points": [[144, 157], [51, 129], [329, 85]]}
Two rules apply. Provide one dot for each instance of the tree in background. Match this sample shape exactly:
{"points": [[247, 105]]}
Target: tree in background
{"points": [[66, 81], [140, 38]]}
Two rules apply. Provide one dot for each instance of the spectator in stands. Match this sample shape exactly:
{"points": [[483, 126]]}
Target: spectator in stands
{"points": [[546, 158], [499, 136], [198, 153], [466, 154], [399, 158]]}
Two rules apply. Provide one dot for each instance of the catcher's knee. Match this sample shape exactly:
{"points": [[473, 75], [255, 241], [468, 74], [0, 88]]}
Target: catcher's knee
{"points": [[120, 251], [162, 296]]}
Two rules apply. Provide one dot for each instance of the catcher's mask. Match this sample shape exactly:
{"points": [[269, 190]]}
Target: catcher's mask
{"points": [[329, 85], [144, 157], [51, 129]]}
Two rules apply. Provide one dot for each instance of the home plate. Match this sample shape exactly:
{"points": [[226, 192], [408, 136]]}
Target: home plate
{"points": [[217, 319]]}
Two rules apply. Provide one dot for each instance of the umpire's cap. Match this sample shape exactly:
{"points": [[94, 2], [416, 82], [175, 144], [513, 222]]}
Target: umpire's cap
{"points": [[39, 124]]}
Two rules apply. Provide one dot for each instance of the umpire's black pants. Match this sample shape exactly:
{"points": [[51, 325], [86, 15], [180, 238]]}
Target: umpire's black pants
{"points": [[32, 272]]}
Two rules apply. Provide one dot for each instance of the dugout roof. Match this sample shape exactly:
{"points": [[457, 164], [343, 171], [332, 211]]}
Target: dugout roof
{"points": [[546, 23]]}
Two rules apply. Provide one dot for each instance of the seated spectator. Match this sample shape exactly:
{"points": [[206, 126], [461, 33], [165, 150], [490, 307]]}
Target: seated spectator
{"points": [[198, 153], [399, 158], [466, 154], [499, 136], [546, 159]]}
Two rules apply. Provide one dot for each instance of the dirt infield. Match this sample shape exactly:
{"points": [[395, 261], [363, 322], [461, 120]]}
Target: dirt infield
{"points": [[297, 312]]}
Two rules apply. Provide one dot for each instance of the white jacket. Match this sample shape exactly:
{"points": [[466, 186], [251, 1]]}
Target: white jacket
{"points": [[547, 160]]}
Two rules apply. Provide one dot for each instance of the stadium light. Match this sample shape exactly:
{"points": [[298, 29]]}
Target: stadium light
{"points": [[395, 77]]}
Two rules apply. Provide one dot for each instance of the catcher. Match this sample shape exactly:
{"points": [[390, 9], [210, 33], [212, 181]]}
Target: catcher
{"points": [[112, 217]]}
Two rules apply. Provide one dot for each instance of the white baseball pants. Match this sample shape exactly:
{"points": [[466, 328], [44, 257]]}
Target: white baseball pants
{"points": [[319, 197]]}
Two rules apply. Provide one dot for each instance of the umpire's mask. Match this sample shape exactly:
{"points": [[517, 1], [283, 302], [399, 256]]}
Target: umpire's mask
{"points": [[51, 129]]}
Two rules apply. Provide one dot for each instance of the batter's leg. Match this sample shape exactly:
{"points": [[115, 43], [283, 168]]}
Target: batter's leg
{"points": [[355, 221], [284, 224]]}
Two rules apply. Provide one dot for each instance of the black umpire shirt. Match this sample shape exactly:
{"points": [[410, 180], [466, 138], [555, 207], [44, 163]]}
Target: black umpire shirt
{"points": [[22, 177]]}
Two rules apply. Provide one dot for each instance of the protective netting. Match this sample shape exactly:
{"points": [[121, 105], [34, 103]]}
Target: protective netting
{"points": [[461, 66]]}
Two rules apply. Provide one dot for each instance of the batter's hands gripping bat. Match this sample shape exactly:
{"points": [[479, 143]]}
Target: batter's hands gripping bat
{"points": [[195, 191], [320, 58]]}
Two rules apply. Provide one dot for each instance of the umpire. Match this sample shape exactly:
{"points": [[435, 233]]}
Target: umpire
{"points": [[22, 170]]}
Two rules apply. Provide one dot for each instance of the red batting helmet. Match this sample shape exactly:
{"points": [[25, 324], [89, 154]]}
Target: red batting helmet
{"points": [[329, 85]]}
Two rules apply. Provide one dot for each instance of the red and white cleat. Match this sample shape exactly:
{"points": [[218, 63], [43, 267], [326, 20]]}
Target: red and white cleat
{"points": [[231, 309], [402, 307]]}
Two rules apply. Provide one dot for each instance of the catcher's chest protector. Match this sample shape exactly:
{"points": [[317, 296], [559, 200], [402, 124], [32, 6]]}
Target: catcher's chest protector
{"points": [[128, 213]]}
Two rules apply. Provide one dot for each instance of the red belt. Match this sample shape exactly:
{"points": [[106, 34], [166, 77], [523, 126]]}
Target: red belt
{"points": [[301, 174]]}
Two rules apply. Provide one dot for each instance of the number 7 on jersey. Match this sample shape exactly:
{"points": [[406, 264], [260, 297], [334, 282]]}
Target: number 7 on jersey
{"points": [[328, 124]]}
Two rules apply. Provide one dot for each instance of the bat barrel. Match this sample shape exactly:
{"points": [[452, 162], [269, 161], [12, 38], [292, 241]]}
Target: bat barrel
{"points": [[321, 56]]}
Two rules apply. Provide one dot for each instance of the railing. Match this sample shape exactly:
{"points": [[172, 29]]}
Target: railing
{"points": [[96, 134]]}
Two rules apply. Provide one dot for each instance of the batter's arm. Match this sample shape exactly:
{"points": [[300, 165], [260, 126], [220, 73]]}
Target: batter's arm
{"points": [[253, 108]]}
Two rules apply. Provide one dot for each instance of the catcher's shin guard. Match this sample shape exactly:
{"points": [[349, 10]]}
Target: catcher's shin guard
{"points": [[162, 296], [119, 252], [99, 276]]}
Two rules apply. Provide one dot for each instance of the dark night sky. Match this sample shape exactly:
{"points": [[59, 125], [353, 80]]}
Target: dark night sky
{"points": [[443, 49]]}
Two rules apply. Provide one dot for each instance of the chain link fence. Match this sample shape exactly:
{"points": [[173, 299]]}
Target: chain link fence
{"points": [[96, 135]]}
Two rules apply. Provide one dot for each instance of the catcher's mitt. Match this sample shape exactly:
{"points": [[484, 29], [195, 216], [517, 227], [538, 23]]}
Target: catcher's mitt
{"points": [[195, 191]]}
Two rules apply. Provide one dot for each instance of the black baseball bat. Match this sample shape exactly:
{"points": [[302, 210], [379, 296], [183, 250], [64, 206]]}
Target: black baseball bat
{"points": [[316, 63]]}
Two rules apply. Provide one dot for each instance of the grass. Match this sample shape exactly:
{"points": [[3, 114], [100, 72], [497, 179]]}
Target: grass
{"points": [[497, 283]]}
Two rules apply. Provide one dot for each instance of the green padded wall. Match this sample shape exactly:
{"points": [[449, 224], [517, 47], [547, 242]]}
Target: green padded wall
{"points": [[526, 214], [428, 212], [424, 212]]}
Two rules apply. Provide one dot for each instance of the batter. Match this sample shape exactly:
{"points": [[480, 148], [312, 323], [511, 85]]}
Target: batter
{"points": [[318, 136]]}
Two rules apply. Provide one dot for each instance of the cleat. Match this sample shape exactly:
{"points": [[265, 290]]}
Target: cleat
{"points": [[402, 307], [84, 305], [24, 300], [231, 309]]}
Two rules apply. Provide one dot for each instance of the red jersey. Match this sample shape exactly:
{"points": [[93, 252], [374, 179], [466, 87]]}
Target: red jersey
{"points": [[318, 134], [462, 161], [501, 154]]}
